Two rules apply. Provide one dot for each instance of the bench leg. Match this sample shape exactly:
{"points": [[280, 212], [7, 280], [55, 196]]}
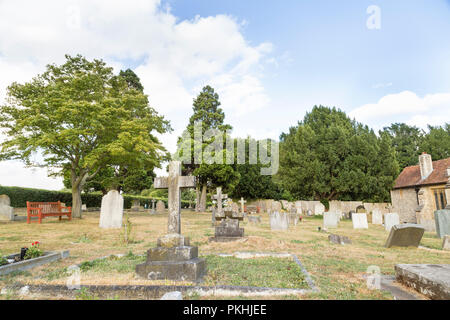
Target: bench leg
{"points": [[60, 218], [40, 218], [28, 218]]}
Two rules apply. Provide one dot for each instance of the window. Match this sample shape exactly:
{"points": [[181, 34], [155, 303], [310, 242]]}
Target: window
{"points": [[439, 198]]}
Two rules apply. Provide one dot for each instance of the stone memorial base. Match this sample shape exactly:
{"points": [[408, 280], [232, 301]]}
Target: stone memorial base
{"points": [[432, 280], [173, 259], [228, 230]]}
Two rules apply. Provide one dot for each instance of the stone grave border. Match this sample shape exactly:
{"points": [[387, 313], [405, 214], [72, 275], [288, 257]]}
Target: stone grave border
{"points": [[157, 291], [48, 257]]}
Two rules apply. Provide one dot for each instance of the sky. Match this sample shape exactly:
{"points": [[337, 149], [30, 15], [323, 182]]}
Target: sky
{"points": [[380, 61]]}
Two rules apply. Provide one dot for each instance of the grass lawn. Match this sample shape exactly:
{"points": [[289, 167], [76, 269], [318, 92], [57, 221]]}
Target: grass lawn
{"points": [[337, 270]]}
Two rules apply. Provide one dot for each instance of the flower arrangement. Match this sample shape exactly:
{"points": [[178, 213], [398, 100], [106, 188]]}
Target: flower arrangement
{"points": [[34, 251]]}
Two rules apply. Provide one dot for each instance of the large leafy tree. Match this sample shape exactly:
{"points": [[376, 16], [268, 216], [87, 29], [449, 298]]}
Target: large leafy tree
{"points": [[437, 142], [328, 156], [82, 118], [406, 141], [207, 111]]}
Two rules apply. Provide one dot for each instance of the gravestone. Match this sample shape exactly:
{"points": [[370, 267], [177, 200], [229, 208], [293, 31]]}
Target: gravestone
{"points": [[293, 217], [405, 235], [330, 220], [6, 211], [446, 243], [254, 219], [360, 209], [219, 212], [228, 230], [390, 220], [234, 207], [111, 212], [334, 238], [377, 217], [153, 206], [442, 220], [161, 206], [135, 205], [83, 207], [279, 221], [173, 258], [252, 209], [359, 221], [242, 202]]}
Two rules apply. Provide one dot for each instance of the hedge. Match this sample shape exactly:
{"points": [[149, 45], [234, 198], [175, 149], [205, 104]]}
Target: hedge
{"points": [[19, 197]]}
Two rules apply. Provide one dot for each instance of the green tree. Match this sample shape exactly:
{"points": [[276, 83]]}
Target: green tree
{"points": [[437, 142], [406, 141], [207, 111], [81, 117], [328, 156]]}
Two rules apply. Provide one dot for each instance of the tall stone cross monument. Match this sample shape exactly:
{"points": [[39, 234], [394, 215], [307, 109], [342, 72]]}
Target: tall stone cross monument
{"points": [[219, 197], [173, 258], [242, 205], [174, 182]]}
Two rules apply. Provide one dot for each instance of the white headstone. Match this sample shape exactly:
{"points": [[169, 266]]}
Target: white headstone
{"points": [[359, 221], [6, 211], [390, 220], [83, 207], [279, 221], [111, 212], [298, 206], [377, 217], [276, 206], [330, 220]]}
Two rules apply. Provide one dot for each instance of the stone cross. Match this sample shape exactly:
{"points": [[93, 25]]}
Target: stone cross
{"points": [[153, 205], [174, 182], [242, 204], [220, 197]]}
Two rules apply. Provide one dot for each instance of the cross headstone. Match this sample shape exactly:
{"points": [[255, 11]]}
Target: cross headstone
{"points": [[220, 197], [174, 182], [242, 202], [153, 205]]}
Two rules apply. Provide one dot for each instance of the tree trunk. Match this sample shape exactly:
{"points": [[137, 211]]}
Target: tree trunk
{"points": [[76, 202], [197, 202], [202, 207]]}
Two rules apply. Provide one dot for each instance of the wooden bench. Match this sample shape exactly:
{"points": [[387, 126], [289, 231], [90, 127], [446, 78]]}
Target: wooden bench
{"points": [[47, 209]]}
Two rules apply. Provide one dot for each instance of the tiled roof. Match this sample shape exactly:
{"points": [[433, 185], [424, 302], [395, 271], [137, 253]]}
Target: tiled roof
{"points": [[411, 177]]}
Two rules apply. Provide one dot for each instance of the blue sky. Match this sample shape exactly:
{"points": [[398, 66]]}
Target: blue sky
{"points": [[270, 61]]}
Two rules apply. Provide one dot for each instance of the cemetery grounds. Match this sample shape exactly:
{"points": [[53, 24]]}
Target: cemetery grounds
{"points": [[339, 271]]}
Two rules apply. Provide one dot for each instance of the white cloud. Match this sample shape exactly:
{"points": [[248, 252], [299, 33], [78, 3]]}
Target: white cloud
{"points": [[173, 58], [405, 107]]}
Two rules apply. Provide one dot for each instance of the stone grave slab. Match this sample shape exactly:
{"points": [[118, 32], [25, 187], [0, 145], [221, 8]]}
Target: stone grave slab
{"points": [[432, 280], [228, 230], [254, 219], [334, 238], [405, 235]]}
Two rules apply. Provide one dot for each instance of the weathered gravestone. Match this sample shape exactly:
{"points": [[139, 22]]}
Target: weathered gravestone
{"points": [[135, 205], [218, 213], [330, 220], [173, 258], [298, 206], [83, 207], [254, 219], [446, 243], [111, 212], [252, 209], [279, 221], [228, 230], [390, 220], [359, 221], [405, 235], [442, 220], [377, 217], [361, 209], [6, 211], [293, 217], [334, 238], [234, 207], [152, 211], [161, 206]]}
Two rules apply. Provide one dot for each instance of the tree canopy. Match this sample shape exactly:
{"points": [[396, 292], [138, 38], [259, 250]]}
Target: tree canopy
{"points": [[82, 118]]}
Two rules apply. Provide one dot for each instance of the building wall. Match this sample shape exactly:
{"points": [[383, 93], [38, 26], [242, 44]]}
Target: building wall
{"points": [[404, 202]]}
